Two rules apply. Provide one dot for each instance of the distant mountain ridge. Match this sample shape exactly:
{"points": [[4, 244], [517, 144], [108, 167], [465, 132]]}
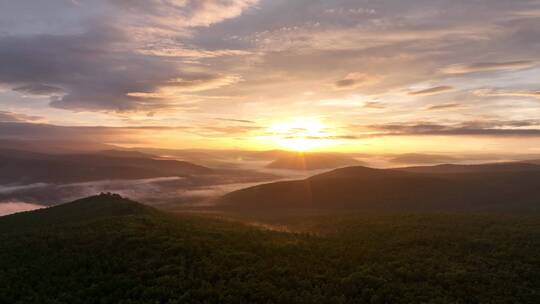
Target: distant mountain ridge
{"points": [[492, 167], [446, 188], [126, 153], [28, 167], [312, 161]]}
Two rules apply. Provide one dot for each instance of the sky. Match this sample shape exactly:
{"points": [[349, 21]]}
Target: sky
{"points": [[368, 76]]}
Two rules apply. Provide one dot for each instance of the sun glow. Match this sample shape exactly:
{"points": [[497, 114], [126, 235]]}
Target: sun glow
{"points": [[301, 134]]}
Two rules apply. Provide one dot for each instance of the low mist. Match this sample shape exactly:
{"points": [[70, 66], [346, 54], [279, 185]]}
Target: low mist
{"points": [[7, 208]]}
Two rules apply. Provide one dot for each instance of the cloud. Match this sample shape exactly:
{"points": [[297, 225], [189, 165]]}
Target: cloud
{"points": [[10, 117], [183, 13], [528, 13], [444, 106], [350, 11], [164, 28], [473, 128], [11, 129], [327, 137], [236, 120], [182, 52], [93, 75], [374, 105], [174, 89], [487, 66], [507, 93], [114, 61], [187, 60], [39, 89], [202, 82], [228, 130], [432, 91], [48, 132], [311, 36], [356, 80]]}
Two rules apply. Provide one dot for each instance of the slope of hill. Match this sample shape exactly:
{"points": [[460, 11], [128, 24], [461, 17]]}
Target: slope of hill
{"points": [[123, 252], [312, 161], [125, 153], [486, 188], [486, 168], [533, 161], [422, 159], [86, 209], [19, 167]]}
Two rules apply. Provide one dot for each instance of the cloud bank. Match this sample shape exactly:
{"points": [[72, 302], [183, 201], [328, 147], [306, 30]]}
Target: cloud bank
{"points": [[183, 63]]}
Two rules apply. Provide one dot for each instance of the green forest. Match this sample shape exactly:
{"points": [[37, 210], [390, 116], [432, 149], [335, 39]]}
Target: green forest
{"points": [[107, 249]]}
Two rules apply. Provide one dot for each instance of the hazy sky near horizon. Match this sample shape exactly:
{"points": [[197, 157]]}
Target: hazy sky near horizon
{"points": [[352, 75]]}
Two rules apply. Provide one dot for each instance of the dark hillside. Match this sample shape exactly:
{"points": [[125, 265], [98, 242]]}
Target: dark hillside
{"points": [[86, 209], [312, 161], [484, 188], [123, 252], [486, 168]]}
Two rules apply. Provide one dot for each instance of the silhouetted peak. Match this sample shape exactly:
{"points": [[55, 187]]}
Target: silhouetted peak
{"points": [[108, 195], [103, 205], [350, 172]]}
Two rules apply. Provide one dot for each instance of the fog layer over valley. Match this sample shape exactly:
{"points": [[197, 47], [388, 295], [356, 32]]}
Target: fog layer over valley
{"points": [[51, 178], [166, 192], [15, 207], [176, 179], [60, 173]]}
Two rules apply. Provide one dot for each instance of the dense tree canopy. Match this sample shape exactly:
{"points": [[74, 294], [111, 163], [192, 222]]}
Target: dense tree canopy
{"points": [[124, 253]]}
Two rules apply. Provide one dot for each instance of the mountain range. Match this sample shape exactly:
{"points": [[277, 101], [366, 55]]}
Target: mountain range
{"points": [[444, 188], [312, 161], [23, 167]]}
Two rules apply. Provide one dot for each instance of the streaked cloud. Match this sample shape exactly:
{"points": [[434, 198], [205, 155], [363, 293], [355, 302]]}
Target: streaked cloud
{"points": [[468, 128], [181, 52], [229, 130], [374, 105], [236, 120], [182, 13], [507, 93], [174, 89], [432, 91], [10, 117], [42, 131], [535, 13], [488, 66], [444, 106], [356, 80], [39, 89]]}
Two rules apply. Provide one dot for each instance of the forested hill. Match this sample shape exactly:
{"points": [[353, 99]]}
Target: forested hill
{"points": [[512, 187], [105, 205], [107, 249]]}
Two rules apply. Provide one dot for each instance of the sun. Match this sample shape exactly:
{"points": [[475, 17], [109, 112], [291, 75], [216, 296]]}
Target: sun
{"points": [[301, 134]]}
